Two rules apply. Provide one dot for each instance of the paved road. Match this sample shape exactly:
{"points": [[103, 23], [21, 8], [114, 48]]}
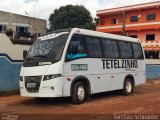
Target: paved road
{"points": [[104, 106]]}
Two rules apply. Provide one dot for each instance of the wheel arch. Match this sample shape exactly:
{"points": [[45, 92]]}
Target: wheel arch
{"points": [[83, 79], [131, 77]]}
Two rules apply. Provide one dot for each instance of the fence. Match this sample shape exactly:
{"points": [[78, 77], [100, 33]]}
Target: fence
{"points": [[11, 58], [152, 72]]}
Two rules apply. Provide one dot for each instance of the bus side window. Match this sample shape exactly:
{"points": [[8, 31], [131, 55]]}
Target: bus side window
{"points": [[137, 51], [94, 47], [76, 48], [125, 50], [110, 48]]}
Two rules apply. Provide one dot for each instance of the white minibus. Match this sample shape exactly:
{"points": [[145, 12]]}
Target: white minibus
{"points": [[77, 63]]}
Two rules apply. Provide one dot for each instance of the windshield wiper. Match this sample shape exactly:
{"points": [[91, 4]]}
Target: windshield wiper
{"points": [[41, 56], [29, 58], [54, 61]]}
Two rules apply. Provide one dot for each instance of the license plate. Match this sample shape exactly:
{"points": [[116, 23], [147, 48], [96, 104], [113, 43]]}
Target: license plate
{"points": [[31, 85]]}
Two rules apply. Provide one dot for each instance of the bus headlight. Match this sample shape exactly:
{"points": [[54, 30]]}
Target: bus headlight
{"points": [[21, 78], [48, 77]]}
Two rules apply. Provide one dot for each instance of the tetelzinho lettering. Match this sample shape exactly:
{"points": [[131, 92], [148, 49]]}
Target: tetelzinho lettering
{"points": [[114, 64]]}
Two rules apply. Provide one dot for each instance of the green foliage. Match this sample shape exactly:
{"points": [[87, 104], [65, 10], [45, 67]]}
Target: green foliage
{"points": [[96, 20], [70, 16]]}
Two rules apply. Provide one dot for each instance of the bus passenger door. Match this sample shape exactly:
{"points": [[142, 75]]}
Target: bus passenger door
{"points": [[76, 63]]}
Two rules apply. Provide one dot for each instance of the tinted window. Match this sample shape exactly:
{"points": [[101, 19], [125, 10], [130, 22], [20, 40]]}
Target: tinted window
{"points": [[76, 48], [93, 46], [151, 16], [137, 51], [0, 28], [134, 19], [125, 49], [150, 37], [110, 48], [48, 50], [114, 21]]}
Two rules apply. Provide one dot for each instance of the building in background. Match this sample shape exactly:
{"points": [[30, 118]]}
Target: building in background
{"points": [[139, 21], [11, 59], [21, 28], [22, 31]]}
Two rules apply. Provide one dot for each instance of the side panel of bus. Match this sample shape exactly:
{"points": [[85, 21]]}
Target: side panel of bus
{"points": [[102, 64]]}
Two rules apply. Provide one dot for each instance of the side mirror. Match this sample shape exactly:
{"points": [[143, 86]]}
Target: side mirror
{"points": [[24, 54]]}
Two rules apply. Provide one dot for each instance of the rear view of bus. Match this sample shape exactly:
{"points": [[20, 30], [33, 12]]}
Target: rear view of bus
{"points": [[77, 63]]}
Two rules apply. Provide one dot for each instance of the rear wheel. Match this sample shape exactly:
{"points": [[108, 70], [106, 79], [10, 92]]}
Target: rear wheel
{"points": [[128, 87], [79, 93]]}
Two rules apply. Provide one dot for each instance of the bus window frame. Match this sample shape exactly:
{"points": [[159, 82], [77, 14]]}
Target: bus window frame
{"points": [[102, 47], [117, 49], [79, 35], [142, 57], [120, 56], [99, 39]]}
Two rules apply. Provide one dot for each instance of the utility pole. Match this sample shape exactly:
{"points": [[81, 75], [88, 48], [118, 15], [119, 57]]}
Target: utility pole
{"points": [[124, 23]]}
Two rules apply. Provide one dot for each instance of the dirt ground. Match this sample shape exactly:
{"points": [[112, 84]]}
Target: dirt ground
{"points": [[144, 104]]}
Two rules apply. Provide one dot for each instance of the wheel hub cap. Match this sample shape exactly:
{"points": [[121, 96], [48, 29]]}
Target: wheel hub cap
{"points": [[128, 86], [80, 93]]}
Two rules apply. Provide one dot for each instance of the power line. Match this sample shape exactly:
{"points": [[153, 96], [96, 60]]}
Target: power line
{"points": [[84, 1], [117, 2]]}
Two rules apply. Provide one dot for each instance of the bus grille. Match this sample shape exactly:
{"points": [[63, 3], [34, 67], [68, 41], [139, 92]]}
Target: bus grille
{"points": [[32, 83]]}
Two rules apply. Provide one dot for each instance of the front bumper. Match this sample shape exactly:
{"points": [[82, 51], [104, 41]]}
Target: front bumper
{"points": [[49, 88]]}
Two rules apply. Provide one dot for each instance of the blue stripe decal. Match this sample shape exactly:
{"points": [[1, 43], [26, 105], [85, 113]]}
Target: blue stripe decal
{"points": [[73, 56]]}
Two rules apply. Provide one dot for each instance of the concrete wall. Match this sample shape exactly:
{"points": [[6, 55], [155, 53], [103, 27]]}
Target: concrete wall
{"points": [[152, 69], [11, 58], [153, 72], [152, 61]]}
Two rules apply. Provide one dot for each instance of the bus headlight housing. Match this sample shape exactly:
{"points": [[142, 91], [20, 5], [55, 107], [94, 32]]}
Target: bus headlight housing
{"points": [[48, 77]]}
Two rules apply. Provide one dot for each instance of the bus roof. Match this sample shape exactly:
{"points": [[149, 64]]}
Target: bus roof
{"points": [[95, 34], [57, 31], [103, 35]]}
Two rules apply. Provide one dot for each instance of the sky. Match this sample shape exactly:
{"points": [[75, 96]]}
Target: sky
{"points": [[43, 8]]}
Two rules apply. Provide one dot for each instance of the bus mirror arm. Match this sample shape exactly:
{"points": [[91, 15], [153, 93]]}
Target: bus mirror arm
{"points": [[24, 54]]}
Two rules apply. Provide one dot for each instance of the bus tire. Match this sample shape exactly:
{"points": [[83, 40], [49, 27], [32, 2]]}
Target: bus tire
{"points": [[79, 93], [128, 87]]}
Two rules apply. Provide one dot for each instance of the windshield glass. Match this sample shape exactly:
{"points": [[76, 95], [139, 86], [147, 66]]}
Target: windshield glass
{"points": [[46, 49]]}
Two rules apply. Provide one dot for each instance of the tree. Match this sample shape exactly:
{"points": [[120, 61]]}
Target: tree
{"points": [[96, 20], [70, 16]]}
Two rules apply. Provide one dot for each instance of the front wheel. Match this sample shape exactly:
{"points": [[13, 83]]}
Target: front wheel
{"points": [[79, 93], [128, 87]]}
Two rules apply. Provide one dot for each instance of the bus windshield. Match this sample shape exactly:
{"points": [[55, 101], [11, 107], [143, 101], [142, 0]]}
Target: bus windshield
{"points": [[46, 50]]}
